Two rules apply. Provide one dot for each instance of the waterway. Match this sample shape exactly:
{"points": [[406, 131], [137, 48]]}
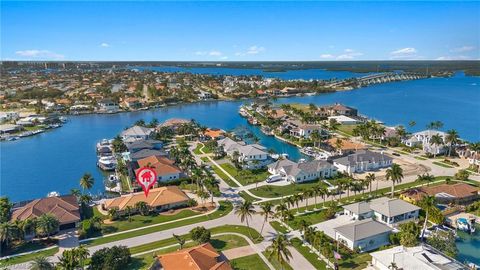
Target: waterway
{"points": [[55, 160], [469, 246]]}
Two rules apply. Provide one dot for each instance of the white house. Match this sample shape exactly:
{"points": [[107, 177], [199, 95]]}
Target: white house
{"points": [[419, 257], [136, 133], [108, 106], [305, 130], [362, 161], [344, 120], [385, 210], [363, 235], [253, 156], [424, 137], [304, 171], [8, 116], [204, 95]]}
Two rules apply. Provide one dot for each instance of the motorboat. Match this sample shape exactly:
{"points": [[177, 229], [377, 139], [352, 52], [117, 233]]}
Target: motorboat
{"points": [[107, 163], [465, 225]]}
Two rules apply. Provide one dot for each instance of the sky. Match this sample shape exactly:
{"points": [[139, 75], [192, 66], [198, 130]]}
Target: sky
{"points": [[239, 31]]}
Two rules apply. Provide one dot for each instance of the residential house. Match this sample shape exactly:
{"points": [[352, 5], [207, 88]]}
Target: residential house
{"points": [[305, 130], [347, 146], [214, 134], [165, 168], [201, 257], [385, 210], [362, 161], [136, 133], [419, 257], [131, 103], [136, 146], [303, 171], [459, 193], [423, 138], [144, 153], [204, 95], [107, 106], [158, 199], [252, 156], [336, 109], [363, 235], [9, 128], [8, 116], [64, 208], [174, 123], [393, 211], [344, 120]]}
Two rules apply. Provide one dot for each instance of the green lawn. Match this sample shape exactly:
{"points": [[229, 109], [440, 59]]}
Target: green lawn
{"points": [[271, 191], [312, 218], [24, 246], [276, 264], [278, 227], [356, 262], [311, 257], [248, 263], [28, 257], [442, 164], [245, 196], [225, 242], [225, 208], [223, 176], [138, 221], [196, 151], [245, 177], [348, 129]]}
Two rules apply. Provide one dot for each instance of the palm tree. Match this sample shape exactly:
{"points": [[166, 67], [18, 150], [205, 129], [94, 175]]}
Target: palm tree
{"points": [[297, 198], [307, 194], [303, 225], [41, 263], [180, 240], [47, 224], [68, 260], [245, 211], [8, 232], [319, 238], [75, 192], [394, 174], [339, 145], [85, 199], [428, 204], [316, 191], [279, 250], [452, 139], [87, 181], [81, 253], [436, 140], [212, 185], [113, 213], [369, 179], [128, 211], [28, 226], [266, 212], [143, 208]]}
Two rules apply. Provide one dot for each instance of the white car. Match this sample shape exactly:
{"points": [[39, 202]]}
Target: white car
{"points": [[274, 178]]}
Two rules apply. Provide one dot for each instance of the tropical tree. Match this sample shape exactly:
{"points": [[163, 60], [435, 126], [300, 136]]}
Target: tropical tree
{"points": [[200, 235], [212, 185], [297, 198], [8, 232], [75, 192], [5, 209], [143, 208], [428, 204], [41, 263], [47, 224], [436, 140], [113, 213], [245, 210], [369, 180], [394, 174], [452, 138], [266, 210], [68, 260], [81, 254], [180, 240], [129, 211], [279, 250], [303, 225], [307, 194], [87, 181]]}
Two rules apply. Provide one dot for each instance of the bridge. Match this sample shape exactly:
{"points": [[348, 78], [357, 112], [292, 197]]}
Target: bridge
{"points": [[378, 78]]}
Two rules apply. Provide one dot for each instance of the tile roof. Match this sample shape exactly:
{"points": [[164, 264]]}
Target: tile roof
{"points": [[202, 257], [156, 197], [362, 229], [458, 190], [64, 208], [161, 165]]}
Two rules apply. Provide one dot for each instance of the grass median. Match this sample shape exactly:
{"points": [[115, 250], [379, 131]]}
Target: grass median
{"points": [[306, 252], [28, 257]]}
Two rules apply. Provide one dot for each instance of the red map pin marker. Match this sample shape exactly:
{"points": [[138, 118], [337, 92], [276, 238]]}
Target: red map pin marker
{"points": [[146, 177]]}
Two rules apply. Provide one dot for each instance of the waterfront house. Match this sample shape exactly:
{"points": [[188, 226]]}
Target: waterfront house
{"points": [[363, 235], [459, 193], [393, 211], [8, 116], [143, 153], [384, 210], [343, 120], [336, 109], [165, 168], [204, 95], [305, 130], [362, 161], [10, 128], [252, 156], [423, 138], [419, 257], [303, 171], [159, 199], [136, 146], [136, 133], [174, 123], [131, 103], [201, 257], [347, 146], [214, 134], [107, 106], [64, 208]]}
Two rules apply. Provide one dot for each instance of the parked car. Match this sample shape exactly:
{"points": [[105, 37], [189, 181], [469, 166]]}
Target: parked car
{"points": [[274, 178]]}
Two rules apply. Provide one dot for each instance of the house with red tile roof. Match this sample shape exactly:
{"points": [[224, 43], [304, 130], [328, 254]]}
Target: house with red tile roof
{"points": [[202, 257], [164, 167]]}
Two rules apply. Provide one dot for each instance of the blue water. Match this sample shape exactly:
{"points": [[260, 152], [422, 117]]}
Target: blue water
{"points": [[305, 74], [469, 247], [55, 160]]}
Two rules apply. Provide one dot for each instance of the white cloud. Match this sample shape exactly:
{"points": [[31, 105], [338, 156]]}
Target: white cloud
{"points": [[40, 54], [457, 57], [215, 53], [252, 50], [104, 45], [404, 51], [327, 56], [224, 58], [463, 49]]}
